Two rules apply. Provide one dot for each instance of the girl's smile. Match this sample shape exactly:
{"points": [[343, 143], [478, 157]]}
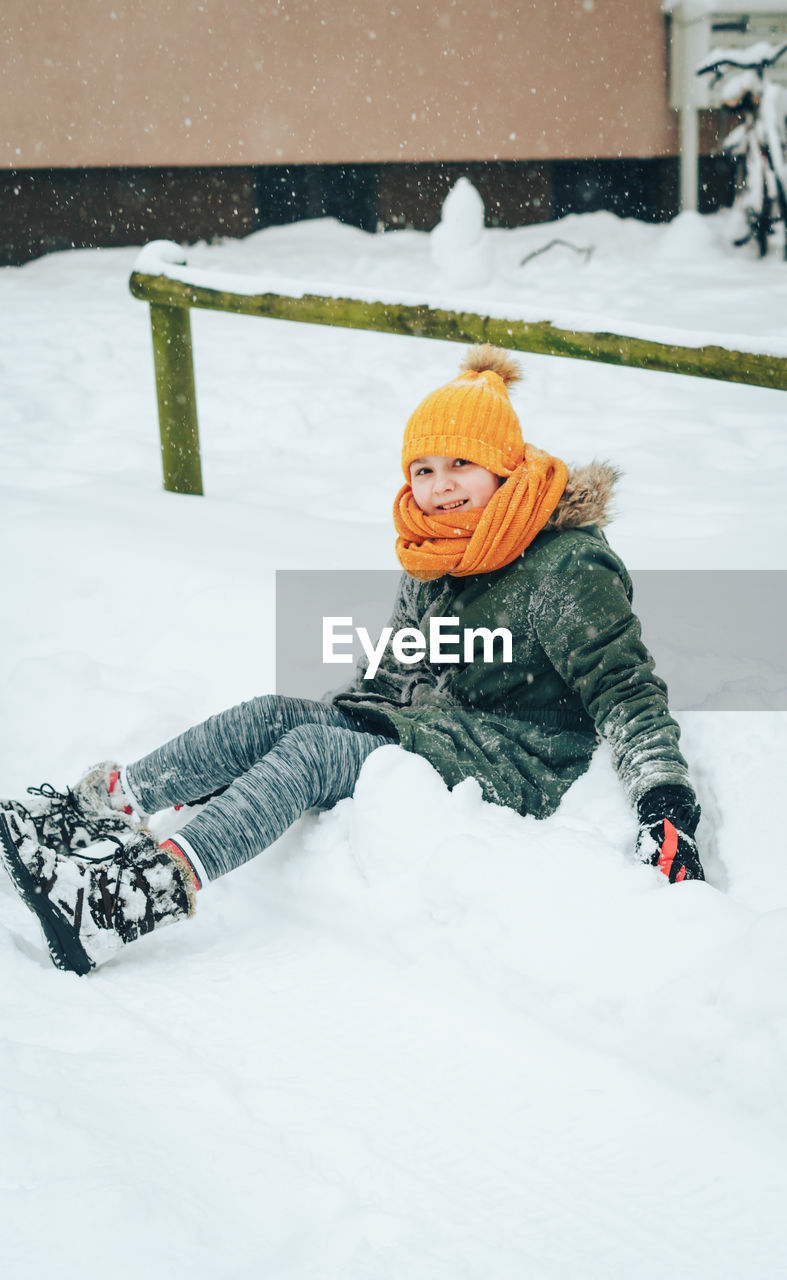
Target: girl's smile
{"points": [[442, 485]]}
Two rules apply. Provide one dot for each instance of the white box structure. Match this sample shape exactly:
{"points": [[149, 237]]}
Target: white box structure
{"points": [[696, 28]]}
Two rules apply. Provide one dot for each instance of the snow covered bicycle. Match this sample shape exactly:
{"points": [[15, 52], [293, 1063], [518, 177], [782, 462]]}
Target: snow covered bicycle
{"points": [[760, 140]]}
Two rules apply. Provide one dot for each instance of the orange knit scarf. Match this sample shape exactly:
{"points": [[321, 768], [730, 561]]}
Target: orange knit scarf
{"points": [[483, 538]]}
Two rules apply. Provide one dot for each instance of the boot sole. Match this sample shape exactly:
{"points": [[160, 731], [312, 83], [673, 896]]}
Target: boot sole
{"points": [[61, 938]]}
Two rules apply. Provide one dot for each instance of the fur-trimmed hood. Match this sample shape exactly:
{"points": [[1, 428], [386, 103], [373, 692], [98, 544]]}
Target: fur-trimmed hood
{"points": [[586, 498]]}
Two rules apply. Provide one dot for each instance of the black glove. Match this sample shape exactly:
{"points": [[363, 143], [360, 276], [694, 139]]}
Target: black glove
{"points": [[668, 818]]}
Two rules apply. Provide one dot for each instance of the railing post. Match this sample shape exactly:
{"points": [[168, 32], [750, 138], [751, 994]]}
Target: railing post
{"points": [[177, 400]]}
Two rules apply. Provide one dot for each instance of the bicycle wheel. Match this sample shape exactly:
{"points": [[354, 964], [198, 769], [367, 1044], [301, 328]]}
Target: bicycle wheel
{"points": [[763, 223]]}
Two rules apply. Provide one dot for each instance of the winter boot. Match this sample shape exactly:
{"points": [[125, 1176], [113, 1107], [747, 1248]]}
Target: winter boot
{"points": [[73, 819], [91, 903]]}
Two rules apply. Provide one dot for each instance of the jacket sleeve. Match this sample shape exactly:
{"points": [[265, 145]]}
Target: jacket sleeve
{"points": [[393, 681], [586, 626]]}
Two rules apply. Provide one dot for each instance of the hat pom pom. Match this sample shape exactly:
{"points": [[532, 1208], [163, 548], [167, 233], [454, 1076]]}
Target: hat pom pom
{"points": [[484, 356]]}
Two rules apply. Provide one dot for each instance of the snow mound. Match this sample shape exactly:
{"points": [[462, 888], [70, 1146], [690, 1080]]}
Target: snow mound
{"points": [[690, 236]]}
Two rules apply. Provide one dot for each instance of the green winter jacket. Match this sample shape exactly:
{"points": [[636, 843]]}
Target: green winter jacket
{"points": [[527, 730]]}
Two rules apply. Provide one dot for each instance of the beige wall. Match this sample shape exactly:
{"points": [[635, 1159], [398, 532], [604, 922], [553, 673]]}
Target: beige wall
{"points": [[195, 82]]}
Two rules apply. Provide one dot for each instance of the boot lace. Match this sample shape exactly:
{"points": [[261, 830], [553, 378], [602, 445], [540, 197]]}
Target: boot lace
{"points": [[71, 814]]}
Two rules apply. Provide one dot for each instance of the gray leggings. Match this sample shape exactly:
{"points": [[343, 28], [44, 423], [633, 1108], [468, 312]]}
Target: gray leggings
{"points": [[277, 757]]}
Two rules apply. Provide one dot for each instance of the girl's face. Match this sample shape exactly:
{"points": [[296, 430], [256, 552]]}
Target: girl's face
{"points": [[441, 485]]}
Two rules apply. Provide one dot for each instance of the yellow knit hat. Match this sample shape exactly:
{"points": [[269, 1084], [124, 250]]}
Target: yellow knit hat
{"points": [[471, 417]]}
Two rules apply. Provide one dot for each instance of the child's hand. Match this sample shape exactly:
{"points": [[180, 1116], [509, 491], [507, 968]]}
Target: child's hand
{"points": [[668, 818]]}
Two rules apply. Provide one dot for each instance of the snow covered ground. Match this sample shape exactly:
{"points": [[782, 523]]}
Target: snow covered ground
{"points": [[422, 1037]]}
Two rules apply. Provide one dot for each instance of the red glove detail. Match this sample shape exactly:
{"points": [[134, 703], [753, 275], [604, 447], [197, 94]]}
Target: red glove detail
{"points": [[668, 850], [668, 818]]}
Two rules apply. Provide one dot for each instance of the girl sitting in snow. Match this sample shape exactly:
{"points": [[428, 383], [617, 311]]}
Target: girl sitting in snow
{"points": [[491, 531]]}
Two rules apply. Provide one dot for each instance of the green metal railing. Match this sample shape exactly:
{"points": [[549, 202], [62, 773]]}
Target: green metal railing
{"points": [[170, 301]]}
